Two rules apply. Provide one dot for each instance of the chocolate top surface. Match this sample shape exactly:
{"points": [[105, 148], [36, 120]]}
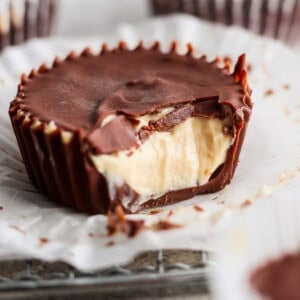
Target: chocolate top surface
{"points": [[279, 279], [80, 92]]}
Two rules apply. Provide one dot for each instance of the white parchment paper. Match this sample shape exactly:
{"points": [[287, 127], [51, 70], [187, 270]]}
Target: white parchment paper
{"points": [[270, 157]]}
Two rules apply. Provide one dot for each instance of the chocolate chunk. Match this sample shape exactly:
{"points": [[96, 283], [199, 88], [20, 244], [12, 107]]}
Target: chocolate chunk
{"points": [[115, 136]]}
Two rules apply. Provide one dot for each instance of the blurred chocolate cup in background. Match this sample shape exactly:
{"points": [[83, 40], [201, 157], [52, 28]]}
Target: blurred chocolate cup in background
{"points": [[279, 19], [21, 20]]}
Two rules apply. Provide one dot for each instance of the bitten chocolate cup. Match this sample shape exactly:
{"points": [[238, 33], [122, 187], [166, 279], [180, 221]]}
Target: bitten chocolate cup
{"points": [[279, 19], [278, 279], [137, 128], [25, 19]]}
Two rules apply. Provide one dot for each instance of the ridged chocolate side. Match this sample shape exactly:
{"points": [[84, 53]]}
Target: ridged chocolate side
{"points": [[59, 169], [58, 164]]}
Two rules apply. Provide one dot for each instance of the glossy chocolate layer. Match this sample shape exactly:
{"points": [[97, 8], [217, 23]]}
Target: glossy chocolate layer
{"points": [[78, 93], [81, 92], [279, 279]]}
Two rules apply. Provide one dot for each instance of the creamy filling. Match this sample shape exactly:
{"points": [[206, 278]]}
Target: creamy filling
{"points": [[185, 157], [182, 158]]}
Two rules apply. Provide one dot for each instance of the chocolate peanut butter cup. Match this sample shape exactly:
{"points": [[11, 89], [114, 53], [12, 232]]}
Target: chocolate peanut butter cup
{"points": [[278, 279], [278, 19], [21, 20], [137, 128]]}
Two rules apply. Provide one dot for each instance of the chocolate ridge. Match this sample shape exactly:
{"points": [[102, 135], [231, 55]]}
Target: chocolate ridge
{"points": [[91, 195]]}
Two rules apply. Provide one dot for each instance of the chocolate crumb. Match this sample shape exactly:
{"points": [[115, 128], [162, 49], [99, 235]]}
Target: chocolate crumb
{"points": [[286, 86], [222, 202], [96, 235], [246, 203], [17, 228], [249, 68], [170, 213], [269, 92], [165, 225], [132, 227], [1, 207], [198, 208], [155, 211], [43, 241], [116, 222], [109, 243]]}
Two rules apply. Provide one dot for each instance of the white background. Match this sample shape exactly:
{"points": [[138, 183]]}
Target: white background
{"points": [[96, 17], [93, 17]]}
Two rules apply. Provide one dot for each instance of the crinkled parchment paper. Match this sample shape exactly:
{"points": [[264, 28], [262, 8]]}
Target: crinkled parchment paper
{"points": [[31, 226]]}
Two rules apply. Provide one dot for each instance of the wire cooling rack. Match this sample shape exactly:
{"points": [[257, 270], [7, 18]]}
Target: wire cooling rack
{"points": [[159, 273]]}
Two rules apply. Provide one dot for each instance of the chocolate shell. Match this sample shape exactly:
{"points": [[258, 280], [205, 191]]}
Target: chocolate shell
{"points": [[54, 145]]}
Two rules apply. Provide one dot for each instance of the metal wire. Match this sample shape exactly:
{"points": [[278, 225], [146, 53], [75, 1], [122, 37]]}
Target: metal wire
{"points": [[150, 271]]}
